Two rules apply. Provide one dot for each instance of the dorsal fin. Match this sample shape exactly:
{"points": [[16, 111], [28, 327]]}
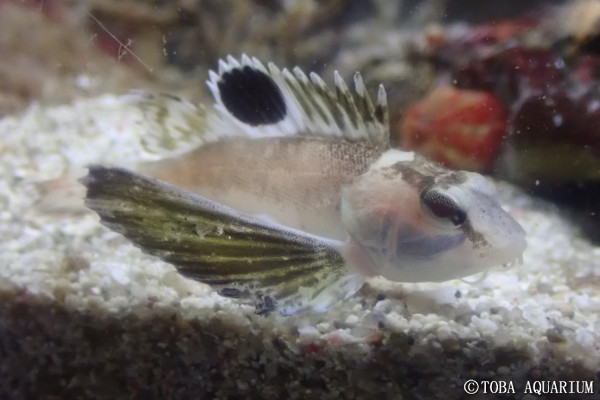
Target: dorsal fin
{"points": [[171, 125], [254, 101], [263, 101]]}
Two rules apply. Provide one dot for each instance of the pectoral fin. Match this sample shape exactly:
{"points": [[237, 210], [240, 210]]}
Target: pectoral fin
{"points": [[275, 266]]}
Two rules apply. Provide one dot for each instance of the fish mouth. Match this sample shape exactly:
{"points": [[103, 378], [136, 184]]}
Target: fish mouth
{"points": [[518, 260], [513, 252]]}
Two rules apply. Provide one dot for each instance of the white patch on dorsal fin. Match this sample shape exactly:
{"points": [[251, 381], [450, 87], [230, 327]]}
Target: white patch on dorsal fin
{"points": [[261, 102]]}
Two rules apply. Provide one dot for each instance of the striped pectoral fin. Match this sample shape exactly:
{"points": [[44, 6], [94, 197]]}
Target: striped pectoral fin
{"points": [[275, 266]]}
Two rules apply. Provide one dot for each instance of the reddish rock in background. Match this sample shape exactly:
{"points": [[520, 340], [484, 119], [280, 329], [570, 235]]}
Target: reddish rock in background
{"points": [[461, 129]]}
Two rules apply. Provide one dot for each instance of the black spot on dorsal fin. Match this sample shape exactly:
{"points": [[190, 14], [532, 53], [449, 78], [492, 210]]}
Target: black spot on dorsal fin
{"points": [[251, 96]]}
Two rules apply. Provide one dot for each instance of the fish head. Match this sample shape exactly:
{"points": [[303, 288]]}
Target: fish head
{"points": [[416, 221]]}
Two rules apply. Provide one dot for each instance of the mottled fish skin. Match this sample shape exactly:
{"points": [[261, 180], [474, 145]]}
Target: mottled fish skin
{"points": [[298, 196]]}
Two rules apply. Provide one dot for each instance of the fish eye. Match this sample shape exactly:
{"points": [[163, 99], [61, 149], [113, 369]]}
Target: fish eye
{"points": [[442, 206]]}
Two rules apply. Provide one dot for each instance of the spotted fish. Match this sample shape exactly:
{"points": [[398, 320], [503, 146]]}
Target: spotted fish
{"points": [[294, 196]]}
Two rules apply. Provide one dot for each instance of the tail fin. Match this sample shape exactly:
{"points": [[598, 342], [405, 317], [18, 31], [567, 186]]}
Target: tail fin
{"points": [[276, 267]]}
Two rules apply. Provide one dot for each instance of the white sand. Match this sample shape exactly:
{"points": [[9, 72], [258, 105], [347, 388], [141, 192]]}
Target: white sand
{"points": [[84, 313]]}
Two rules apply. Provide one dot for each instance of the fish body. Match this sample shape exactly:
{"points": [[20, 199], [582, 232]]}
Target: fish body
{"points": [[296, 181], [300, 197]]}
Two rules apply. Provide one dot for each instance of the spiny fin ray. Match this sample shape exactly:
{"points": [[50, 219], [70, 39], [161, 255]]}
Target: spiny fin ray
{"points": [[310, 107], [255, 101]]}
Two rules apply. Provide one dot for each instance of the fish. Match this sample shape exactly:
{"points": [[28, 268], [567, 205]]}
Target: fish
{"points": [[293, 196]]}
